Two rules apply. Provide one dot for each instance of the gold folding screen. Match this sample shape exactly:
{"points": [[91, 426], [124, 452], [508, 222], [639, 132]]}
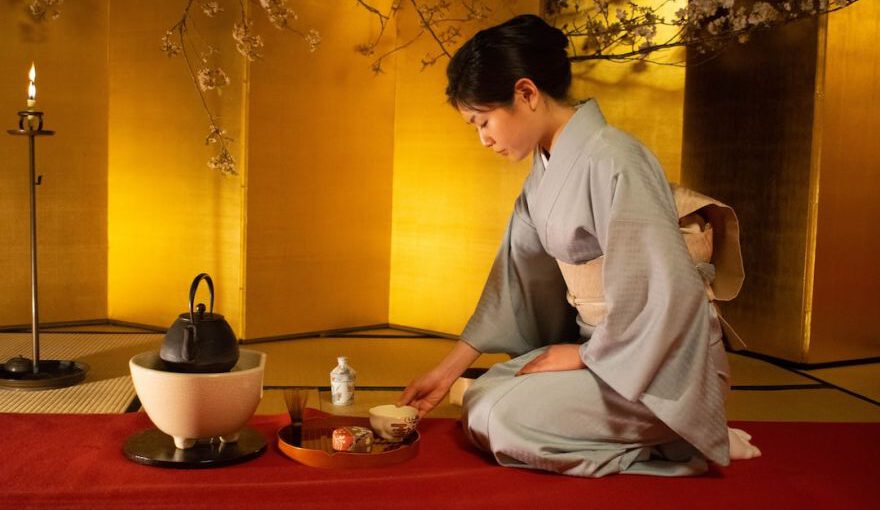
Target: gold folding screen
{"points": [[170, 217], [365, 199], [320, 141], [847, 276], [362, 199], [784, 130], [71, 65], [452, 197]]}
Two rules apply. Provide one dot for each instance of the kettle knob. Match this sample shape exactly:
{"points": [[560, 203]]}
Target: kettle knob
{"points": [[192, 294]]}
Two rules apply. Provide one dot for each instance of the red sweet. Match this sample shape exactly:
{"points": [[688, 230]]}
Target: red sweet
{"points": [[352, 439]]}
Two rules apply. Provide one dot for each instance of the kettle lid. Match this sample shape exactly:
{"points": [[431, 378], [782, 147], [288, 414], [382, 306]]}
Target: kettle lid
{"points": [[206, 317], [199, 315]]}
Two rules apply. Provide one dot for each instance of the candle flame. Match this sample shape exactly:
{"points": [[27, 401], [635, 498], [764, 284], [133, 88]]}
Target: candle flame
{"points": [[32, 88]]}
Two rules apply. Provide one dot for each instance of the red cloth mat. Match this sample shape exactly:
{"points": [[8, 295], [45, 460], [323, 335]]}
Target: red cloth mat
{"points": [[76, 461]]}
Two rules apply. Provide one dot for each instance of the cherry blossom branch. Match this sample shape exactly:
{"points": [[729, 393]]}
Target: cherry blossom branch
{"points": [[435, 19], [595, 33], [706, 26], [208, 78]]}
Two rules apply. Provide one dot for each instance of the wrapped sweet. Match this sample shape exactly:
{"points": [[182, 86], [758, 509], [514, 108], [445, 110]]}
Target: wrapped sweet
{"points": [[353, 439]]}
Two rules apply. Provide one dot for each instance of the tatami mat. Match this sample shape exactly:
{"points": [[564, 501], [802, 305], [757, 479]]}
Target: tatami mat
{"points": [[108, 352], [99, 328], [107, 387], [765, 392], [747, 371], [814, 405], [81, 328], [378, 361], [389, 332], [106, 396], [273, 403], [862, 379], [821, 405]]}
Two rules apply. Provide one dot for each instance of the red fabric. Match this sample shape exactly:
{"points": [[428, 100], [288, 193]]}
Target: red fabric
{"points": [[76, 461]]}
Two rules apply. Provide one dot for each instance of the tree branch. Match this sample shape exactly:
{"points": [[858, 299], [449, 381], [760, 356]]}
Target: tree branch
{"points": [[427, 26]]}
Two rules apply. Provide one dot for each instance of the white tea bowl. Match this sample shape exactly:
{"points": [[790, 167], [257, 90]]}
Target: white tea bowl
{"points": [[192, 406], [394, 423]]}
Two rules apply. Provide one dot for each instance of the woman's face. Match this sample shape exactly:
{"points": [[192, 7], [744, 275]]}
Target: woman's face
{"points": [[507, 130]]}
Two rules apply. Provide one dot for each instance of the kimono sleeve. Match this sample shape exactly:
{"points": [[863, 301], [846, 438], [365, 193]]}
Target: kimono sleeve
{"points": [[523, 303], [655, 332]]}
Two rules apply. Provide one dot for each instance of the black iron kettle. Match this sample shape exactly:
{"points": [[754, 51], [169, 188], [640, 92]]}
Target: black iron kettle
{"points": [[199, 341]]}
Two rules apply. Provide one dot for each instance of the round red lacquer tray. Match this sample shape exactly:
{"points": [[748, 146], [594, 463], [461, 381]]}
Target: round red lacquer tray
{"points": [[317, 450]]}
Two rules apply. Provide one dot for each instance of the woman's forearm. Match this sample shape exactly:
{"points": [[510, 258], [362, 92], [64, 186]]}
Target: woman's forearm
{"points": [[458, 360]]}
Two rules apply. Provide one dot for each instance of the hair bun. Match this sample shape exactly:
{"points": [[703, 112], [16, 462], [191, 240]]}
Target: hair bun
{"points": [[547, 35], [485, 69], [558, 39]]}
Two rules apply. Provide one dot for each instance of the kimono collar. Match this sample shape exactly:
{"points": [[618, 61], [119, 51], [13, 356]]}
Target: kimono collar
{"points": [[583, 125], [548, 178]]}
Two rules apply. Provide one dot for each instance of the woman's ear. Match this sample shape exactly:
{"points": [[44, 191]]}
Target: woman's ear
{"points": [[525, 90]]}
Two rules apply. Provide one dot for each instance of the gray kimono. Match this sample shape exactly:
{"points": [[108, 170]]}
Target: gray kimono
{"points": [[651, 399]]}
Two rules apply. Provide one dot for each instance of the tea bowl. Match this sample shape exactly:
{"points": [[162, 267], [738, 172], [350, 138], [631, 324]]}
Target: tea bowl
{"points": [[193, 406], [394, 423]]}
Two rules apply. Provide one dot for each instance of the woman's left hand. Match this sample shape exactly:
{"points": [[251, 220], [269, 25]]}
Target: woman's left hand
{"points": [[556, 358]]}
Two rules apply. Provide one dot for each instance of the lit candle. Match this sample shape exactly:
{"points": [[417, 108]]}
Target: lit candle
{"points": [[32, 89]]}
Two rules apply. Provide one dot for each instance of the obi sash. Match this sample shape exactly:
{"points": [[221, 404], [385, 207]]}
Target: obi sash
{"points": [[711, 232]]}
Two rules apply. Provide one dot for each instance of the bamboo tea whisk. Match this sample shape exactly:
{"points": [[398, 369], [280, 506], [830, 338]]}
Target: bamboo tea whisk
{"points": [[296, 399]]}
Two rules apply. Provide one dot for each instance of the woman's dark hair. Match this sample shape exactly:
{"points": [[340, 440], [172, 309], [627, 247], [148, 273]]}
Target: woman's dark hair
{"points": [[484, 70]]}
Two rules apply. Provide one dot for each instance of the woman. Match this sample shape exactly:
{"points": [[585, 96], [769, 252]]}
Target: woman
{"points": [[638, 387]]}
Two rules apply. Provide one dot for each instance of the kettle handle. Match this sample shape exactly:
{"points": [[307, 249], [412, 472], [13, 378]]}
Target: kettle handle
{"points": [[192, 293]]}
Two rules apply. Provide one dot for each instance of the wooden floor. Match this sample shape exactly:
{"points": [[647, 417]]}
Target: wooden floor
{"points": [[386, 360]]}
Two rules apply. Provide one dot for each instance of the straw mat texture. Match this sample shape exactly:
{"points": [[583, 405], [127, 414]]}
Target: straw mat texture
{"points": [[107, 387]]}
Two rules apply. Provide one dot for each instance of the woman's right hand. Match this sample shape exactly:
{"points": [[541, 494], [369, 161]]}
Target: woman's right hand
{"points": [[428, 390]]}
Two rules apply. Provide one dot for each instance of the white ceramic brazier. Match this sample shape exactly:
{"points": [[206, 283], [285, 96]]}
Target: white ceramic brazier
{"points": [[193, 406]]}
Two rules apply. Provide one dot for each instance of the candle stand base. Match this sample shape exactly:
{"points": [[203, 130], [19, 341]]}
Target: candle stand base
{"points": [[52, 374]]}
